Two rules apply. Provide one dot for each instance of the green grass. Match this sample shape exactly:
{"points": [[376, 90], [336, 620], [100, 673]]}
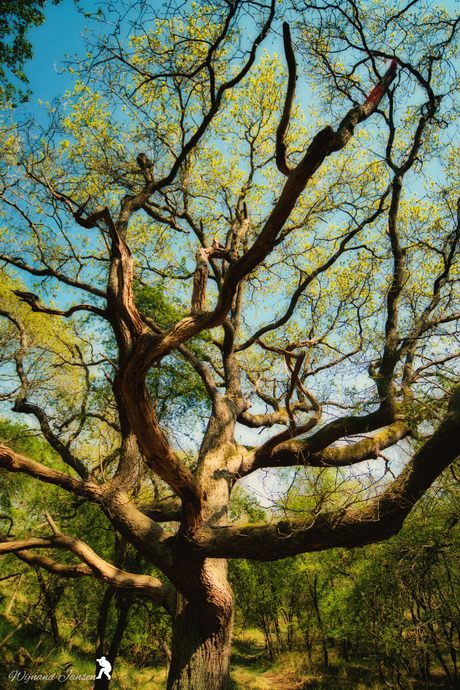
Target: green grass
{"points": [[25, 653], [251, 669]]}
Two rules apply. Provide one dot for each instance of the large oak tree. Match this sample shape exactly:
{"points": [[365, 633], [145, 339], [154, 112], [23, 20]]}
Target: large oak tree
{"points": [[185, 220]]}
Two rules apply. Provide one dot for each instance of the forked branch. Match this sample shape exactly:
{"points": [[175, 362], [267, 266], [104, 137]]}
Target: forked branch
{"points": [[377, 520], [142, 585], [200, 279]]}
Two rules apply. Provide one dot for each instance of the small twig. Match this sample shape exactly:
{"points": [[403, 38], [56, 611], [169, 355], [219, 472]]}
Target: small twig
{"points": [[7, 517], [51, 523], [455, 476], [10, 635]]}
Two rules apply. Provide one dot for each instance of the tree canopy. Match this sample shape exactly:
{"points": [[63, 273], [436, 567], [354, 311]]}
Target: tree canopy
{"points": [[239, 280]]}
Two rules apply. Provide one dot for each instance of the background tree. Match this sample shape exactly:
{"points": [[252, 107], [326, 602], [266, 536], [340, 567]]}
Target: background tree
{"points": [[322, 316]]}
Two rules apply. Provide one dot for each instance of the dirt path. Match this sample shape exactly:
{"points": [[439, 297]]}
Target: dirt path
{"points": [[246, 655], [282, 681]]}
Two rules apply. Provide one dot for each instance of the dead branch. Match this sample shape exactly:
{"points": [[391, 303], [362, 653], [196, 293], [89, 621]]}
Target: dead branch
{"points": [[281, 146]]}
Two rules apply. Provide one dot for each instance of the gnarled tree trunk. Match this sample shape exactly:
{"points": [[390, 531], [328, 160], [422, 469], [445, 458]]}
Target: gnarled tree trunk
{"points": [[202, 636]]}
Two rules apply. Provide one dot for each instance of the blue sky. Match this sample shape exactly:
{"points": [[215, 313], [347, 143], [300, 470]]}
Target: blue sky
{"points": [[61, 34], [58, 36]]}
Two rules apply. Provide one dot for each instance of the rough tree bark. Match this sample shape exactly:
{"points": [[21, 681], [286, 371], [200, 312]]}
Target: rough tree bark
{"points": [[201, 640]]}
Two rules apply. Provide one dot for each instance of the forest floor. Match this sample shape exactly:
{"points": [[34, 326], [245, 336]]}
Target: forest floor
{"points": [[281, 681], [252, 670]]}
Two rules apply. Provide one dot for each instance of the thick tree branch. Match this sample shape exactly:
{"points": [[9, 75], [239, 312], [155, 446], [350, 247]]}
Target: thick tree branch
{"points": [[269, 419], [390, 355], [200, 279], [141, 585], [15, 462], [380, 519], [281, 146], [34, 303], [301, 452], [137, 528], [320, 441], [60, 569]]}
